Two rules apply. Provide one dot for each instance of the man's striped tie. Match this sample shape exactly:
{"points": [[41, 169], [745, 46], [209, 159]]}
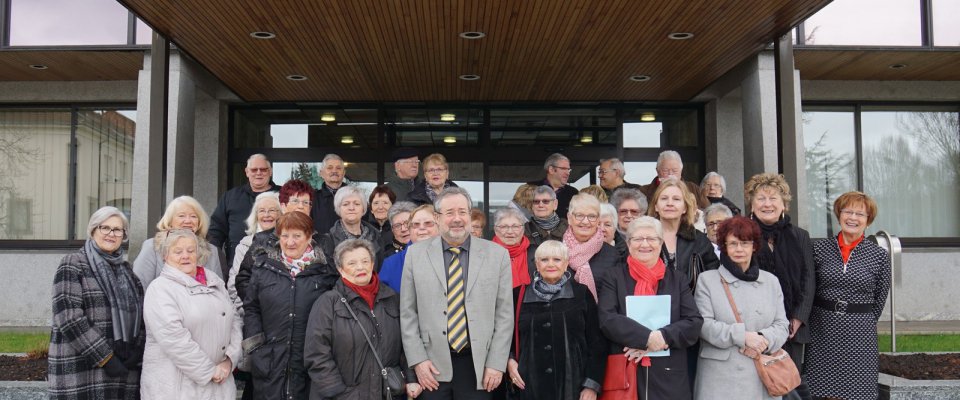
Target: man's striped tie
{"points": [[456, 312]]}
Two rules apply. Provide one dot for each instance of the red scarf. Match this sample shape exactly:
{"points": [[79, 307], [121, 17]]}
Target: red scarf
{"points": [[647, 278], [201, 276], [518, 260], [846, 249], [367, 292]]}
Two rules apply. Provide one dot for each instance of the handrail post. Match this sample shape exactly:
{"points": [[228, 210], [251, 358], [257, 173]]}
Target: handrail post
{"points": [[891, 243]]}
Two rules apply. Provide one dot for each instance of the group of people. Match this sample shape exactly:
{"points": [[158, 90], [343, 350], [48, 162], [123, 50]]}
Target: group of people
{"points": [[330, 293]]}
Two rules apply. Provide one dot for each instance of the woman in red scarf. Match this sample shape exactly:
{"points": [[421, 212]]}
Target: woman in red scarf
{"points": [[508, 232], [646, 274]]}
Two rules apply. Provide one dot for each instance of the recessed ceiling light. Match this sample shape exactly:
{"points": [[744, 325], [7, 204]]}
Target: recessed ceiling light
{"points": [[448, 117], [898, 66], [680, 35], [472, 35], [640, 78], [38, 66], [469, 77], [328, 117], [648, 117], [296, 77], [346, 140], [586, 139], [449, 139], [262, 35]]}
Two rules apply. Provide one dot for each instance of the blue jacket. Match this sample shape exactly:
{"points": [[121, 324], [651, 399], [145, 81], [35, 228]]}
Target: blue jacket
{"points": [[392, 269]]}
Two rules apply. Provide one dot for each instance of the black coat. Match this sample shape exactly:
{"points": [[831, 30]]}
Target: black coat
{"points": [[337, 234], [562, 350], [668, 375], [725, 201], [419, 195], [538, 235], [323, 213], [564, 194], [278, 305], [691, 243], [262, 241], [228, 223], [338, 357]]}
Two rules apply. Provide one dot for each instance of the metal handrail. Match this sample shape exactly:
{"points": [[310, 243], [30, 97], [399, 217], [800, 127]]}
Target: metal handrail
{"points": [[891, 243]]}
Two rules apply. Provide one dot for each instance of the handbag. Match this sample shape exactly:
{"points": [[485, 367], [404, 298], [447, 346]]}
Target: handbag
{"points": [[620, 381], [777, 371], [696, 267], [394, 382]]}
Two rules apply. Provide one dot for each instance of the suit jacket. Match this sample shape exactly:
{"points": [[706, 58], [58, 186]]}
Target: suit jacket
{"points": [[489, 306]]}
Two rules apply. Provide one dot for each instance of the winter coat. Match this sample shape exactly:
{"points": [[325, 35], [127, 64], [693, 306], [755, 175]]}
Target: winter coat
{"points": [[190, 329], [419, 195], [402, 187], [562, 350], [668, 377], [81, 336], [691, 243], [239, 254], [323, 213], [337, 234], [338, 358], [722, 371], [564, 194], [228, 223], [538, 235], [262, 241], [149, 263], [277, 305]]}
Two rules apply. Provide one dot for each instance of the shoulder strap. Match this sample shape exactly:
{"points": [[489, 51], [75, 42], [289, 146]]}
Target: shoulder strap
{"points": [[516, 324], [343, 300], [733, 305]]}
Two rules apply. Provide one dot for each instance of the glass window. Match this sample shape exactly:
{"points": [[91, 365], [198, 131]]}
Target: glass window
{"points": [[144, 33], [866, 22], [911, 167], [652, 128], [67, 22], [296, 128], [104, 162], [640, 173], [424, 127], [561, 127], [946, 30], [830, 145]]}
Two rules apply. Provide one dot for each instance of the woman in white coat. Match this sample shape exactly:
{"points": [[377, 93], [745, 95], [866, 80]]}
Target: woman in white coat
{"points": [[193, 333], [724, 369]]}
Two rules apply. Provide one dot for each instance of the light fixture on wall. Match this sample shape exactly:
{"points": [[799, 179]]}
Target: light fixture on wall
{"points": [[328, 117], [472, 35], [448, 117], [449, 139], [346, 139], [680, 36], [264, 35], [648, 117], [586, 138], [470, 77]]}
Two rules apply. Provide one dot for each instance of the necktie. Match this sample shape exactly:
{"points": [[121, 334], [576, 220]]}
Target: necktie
{"points": [[456, 312]]}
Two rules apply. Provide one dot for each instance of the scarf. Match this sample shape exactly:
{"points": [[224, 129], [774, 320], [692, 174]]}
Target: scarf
{"points": [[120, 288], [785, 261], [647, 278], [297, 265], [846, 249], [548, 223], [580, 254], [545, 290], [431, 194], [201, 276], [750, 275], [367, 292], [518, 260]]}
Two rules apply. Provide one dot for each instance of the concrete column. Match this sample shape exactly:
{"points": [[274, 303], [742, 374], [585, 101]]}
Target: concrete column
{"points": [[209, 150], [724, 143], [180, 134], [790, 129], [758, 95]]}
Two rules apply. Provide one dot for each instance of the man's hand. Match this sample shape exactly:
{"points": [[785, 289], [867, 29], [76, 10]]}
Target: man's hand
{"points": [[491, 379], [634, 354], [426, 375], [588, 394]]}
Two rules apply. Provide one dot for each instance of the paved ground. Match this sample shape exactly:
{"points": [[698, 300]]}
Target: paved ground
{"points": [[921, 327]]}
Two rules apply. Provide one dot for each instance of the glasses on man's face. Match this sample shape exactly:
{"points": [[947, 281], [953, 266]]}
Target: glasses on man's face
{"points": [[564, 169], [851, 213], [542, 202], [653, 240], [409, 162], [714, 224], [435, 171], [297, 202], [259, 170], [734, 244], [423, 225], [106, 230], [712, 186], [400, 225], [602, 171], [265, 211], [629, 212], [588, 217], [509, 228]]}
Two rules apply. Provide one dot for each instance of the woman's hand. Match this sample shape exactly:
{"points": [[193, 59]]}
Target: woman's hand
{"points": [[513, 369], [794, 327], [755, 341], [655, 342], [222, 371], [634, 354], [588, 394], [413, 390]]}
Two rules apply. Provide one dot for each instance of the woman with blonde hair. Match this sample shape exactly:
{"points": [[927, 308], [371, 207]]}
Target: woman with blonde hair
{"points": [[686, 249], [183, 212]]}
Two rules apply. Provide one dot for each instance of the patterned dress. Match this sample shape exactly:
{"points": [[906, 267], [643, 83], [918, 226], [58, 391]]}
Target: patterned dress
{"points": [[842, 360]]}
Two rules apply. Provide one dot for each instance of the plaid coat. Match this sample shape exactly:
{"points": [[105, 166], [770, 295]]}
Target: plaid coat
{"points": [[81, 336]]}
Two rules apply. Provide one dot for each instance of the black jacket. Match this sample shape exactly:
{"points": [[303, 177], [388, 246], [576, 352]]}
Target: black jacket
{"points": [[228, 223], [725, 201], [691, 243], [262, 241], [538, 235], [323, 213], [337, 234], [338, 357], [564, 194], [624, 185], [562, 350], [419, 195], [278, 305], [668, 375]]}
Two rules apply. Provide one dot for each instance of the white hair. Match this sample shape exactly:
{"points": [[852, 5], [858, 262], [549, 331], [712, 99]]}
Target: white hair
{"points": [[328, 157], [553, 159], [508, 212], [645, 221], [346, 191], [717, 208], [103, 214], [255, 157], [615, 165], [252, 226], [669, 155], [711, 174], [607, 209]]}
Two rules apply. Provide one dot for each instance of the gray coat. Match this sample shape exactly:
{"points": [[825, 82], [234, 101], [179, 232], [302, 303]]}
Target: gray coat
{"points": [[149, 263], [722, 372]]}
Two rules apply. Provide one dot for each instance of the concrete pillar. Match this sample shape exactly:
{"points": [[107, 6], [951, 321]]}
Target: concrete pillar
{"points": [[723, 136], [180, 134], [758, 95], [790, 129]]}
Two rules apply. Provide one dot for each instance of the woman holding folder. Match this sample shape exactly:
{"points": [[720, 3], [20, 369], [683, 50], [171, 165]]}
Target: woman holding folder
{"points": [[644, 273]]}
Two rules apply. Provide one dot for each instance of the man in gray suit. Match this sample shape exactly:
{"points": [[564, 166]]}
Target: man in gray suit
{"points": [[456, 307]]}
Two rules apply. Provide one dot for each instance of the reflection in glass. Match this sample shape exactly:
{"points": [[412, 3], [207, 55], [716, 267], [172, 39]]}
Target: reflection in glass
{"points": [[865, 22], [67, 23], [830, 154], [946, 30], [362, 175], [642, 134], [649, 128], [104, 162], [640, 173], [305, 128], [144, 33]]}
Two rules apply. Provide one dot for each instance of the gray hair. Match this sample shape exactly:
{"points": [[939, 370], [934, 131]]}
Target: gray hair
{"points": [[351, 245], [669, 155], [545, 190], [102, 215], [607, 209], [328, 157], [615, 165], [252, 226], [717, 208], [553, 159], [346, 191], [552, 248], [711, 174], [452, 191], [581, 200], [645, 221], [398, 208], [255, 157], [623, 194], [166, 239], [508, 212]]}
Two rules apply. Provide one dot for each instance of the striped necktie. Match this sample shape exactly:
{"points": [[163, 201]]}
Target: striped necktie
{"points": [[456, 312]]}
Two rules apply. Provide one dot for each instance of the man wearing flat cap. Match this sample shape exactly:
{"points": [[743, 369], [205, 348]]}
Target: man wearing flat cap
{"points": [[406, 164]]}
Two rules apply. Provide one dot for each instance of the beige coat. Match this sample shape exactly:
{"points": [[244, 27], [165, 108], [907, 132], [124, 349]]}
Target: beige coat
{"points": [[190, 329]]}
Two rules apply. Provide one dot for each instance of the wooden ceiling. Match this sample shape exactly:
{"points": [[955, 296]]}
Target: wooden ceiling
{"points": [[66, 65], [873, 64], [409, 50]]}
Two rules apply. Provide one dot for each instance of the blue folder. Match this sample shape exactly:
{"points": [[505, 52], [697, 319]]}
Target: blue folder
{"points": [[652, 312]]}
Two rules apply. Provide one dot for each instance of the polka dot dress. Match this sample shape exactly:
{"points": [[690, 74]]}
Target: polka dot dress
{"points": [[842, 358]]}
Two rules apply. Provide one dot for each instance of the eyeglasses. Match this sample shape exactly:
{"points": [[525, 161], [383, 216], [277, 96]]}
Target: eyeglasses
{"points": [[258, 170], [602, 171], [674, 172], [508, 228], [542, 201], [564, 169], [424, 225], [851, 213], [739, 244], [714, 224], [629, 212], [588, 217], [297, 202], [434, 171], [409, 161], [401, 225], [713, 185], [652, 240], [106, 230], [264, 211]]}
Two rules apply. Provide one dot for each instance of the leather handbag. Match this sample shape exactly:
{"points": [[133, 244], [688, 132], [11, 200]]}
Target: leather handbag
{"points": [[777, 371], [620, 381], [394, 382]]}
